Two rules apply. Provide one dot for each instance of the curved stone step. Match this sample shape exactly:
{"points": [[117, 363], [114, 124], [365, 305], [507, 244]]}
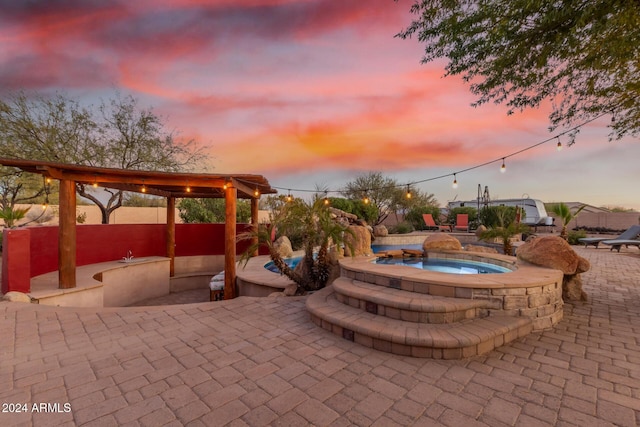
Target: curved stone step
{"points": [[439, 341], [405, 305]]}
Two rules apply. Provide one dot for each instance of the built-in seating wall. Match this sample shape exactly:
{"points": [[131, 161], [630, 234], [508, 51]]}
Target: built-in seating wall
{"points": [[110, 242]]}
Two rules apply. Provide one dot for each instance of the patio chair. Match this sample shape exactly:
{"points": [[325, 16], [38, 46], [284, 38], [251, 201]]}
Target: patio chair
{"points": [[462, 222], [630, 234], [431, 224], [617, 243]]}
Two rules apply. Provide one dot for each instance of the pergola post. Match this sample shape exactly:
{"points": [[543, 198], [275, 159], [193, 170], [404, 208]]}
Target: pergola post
{"points": [[254, 221], [230, 196], [67, 235], [171, 234]]}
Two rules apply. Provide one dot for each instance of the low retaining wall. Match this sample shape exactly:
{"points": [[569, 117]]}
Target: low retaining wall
{"points": [[528, 291]]}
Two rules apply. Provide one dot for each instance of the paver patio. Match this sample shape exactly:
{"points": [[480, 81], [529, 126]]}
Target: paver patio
{"points": [[260, 361]]}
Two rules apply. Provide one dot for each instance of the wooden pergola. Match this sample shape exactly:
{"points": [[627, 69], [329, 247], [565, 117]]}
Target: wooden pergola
{"points": [[172, 185]]}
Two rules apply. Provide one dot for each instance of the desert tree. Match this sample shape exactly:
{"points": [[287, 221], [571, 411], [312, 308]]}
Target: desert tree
{"points": [[119, 133], [582, 56]]}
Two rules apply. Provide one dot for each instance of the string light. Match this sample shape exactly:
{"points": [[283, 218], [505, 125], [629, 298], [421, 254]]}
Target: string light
{"points": [[408, 192], [256, 193], [95, 182], [326, 198], [289, 196], [144, 187], [503, 167], [366, 199]]}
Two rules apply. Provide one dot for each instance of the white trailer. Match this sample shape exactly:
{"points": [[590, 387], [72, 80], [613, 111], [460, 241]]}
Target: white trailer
{"points": [[535, 213]]}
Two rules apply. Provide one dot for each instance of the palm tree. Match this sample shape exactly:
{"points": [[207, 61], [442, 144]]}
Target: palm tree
{"points": [[564, 213], [319, 234], [504, 232]]}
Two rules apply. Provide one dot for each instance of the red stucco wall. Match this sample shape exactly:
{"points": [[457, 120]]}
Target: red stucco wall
{"points": [[37, 252]]}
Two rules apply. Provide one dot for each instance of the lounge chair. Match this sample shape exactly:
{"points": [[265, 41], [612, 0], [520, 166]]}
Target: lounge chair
{"points": [[431, 224], [462, 222], [617, 243], [631, 234]]}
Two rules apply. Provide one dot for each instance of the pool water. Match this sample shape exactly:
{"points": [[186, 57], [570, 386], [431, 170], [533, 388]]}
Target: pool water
{"points": [[442, 265], [291, 262]]}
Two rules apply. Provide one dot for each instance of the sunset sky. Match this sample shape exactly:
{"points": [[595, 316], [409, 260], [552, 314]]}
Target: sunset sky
{"points": [[307, 93]]}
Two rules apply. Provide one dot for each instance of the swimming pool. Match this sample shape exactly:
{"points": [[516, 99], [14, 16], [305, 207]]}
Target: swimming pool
{"points": [[442, 265], [291, 262]]}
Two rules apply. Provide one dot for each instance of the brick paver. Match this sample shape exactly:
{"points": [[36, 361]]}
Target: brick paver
{"points": [[260, 361]]}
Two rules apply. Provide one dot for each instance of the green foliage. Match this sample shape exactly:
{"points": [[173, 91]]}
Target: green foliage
{"points": [[492, 216], [414, 216], [342, 204], [504, 227], [314, 222], [117, 134], [565, 214], [385, 194], [574, 237], [504, 233], [11, 215], [402, 228], [452, 216], [579, 55], [366, 211], [18, 187], [211, 211], [380, 190]]}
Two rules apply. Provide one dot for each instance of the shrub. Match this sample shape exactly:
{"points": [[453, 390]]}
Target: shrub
{"points": [[573, 237], [401, 228], [491, 216]]}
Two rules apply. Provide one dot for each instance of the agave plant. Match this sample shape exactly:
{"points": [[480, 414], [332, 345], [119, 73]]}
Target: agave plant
{"points": [[564, 213], [319, 233]]}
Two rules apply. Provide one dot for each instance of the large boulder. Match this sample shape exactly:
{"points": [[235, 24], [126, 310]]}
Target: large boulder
{"points": [[380, 231], [283, 247], [550, 251], [441, 241], [359, 238], [555, 252]]}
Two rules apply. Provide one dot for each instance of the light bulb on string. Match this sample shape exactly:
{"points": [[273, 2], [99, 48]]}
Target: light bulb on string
{"points": [[289, 196], [256, 193], [503, 168], [326, 198], [408, 192], [144, 188], [455, 181], [559, 145]]}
